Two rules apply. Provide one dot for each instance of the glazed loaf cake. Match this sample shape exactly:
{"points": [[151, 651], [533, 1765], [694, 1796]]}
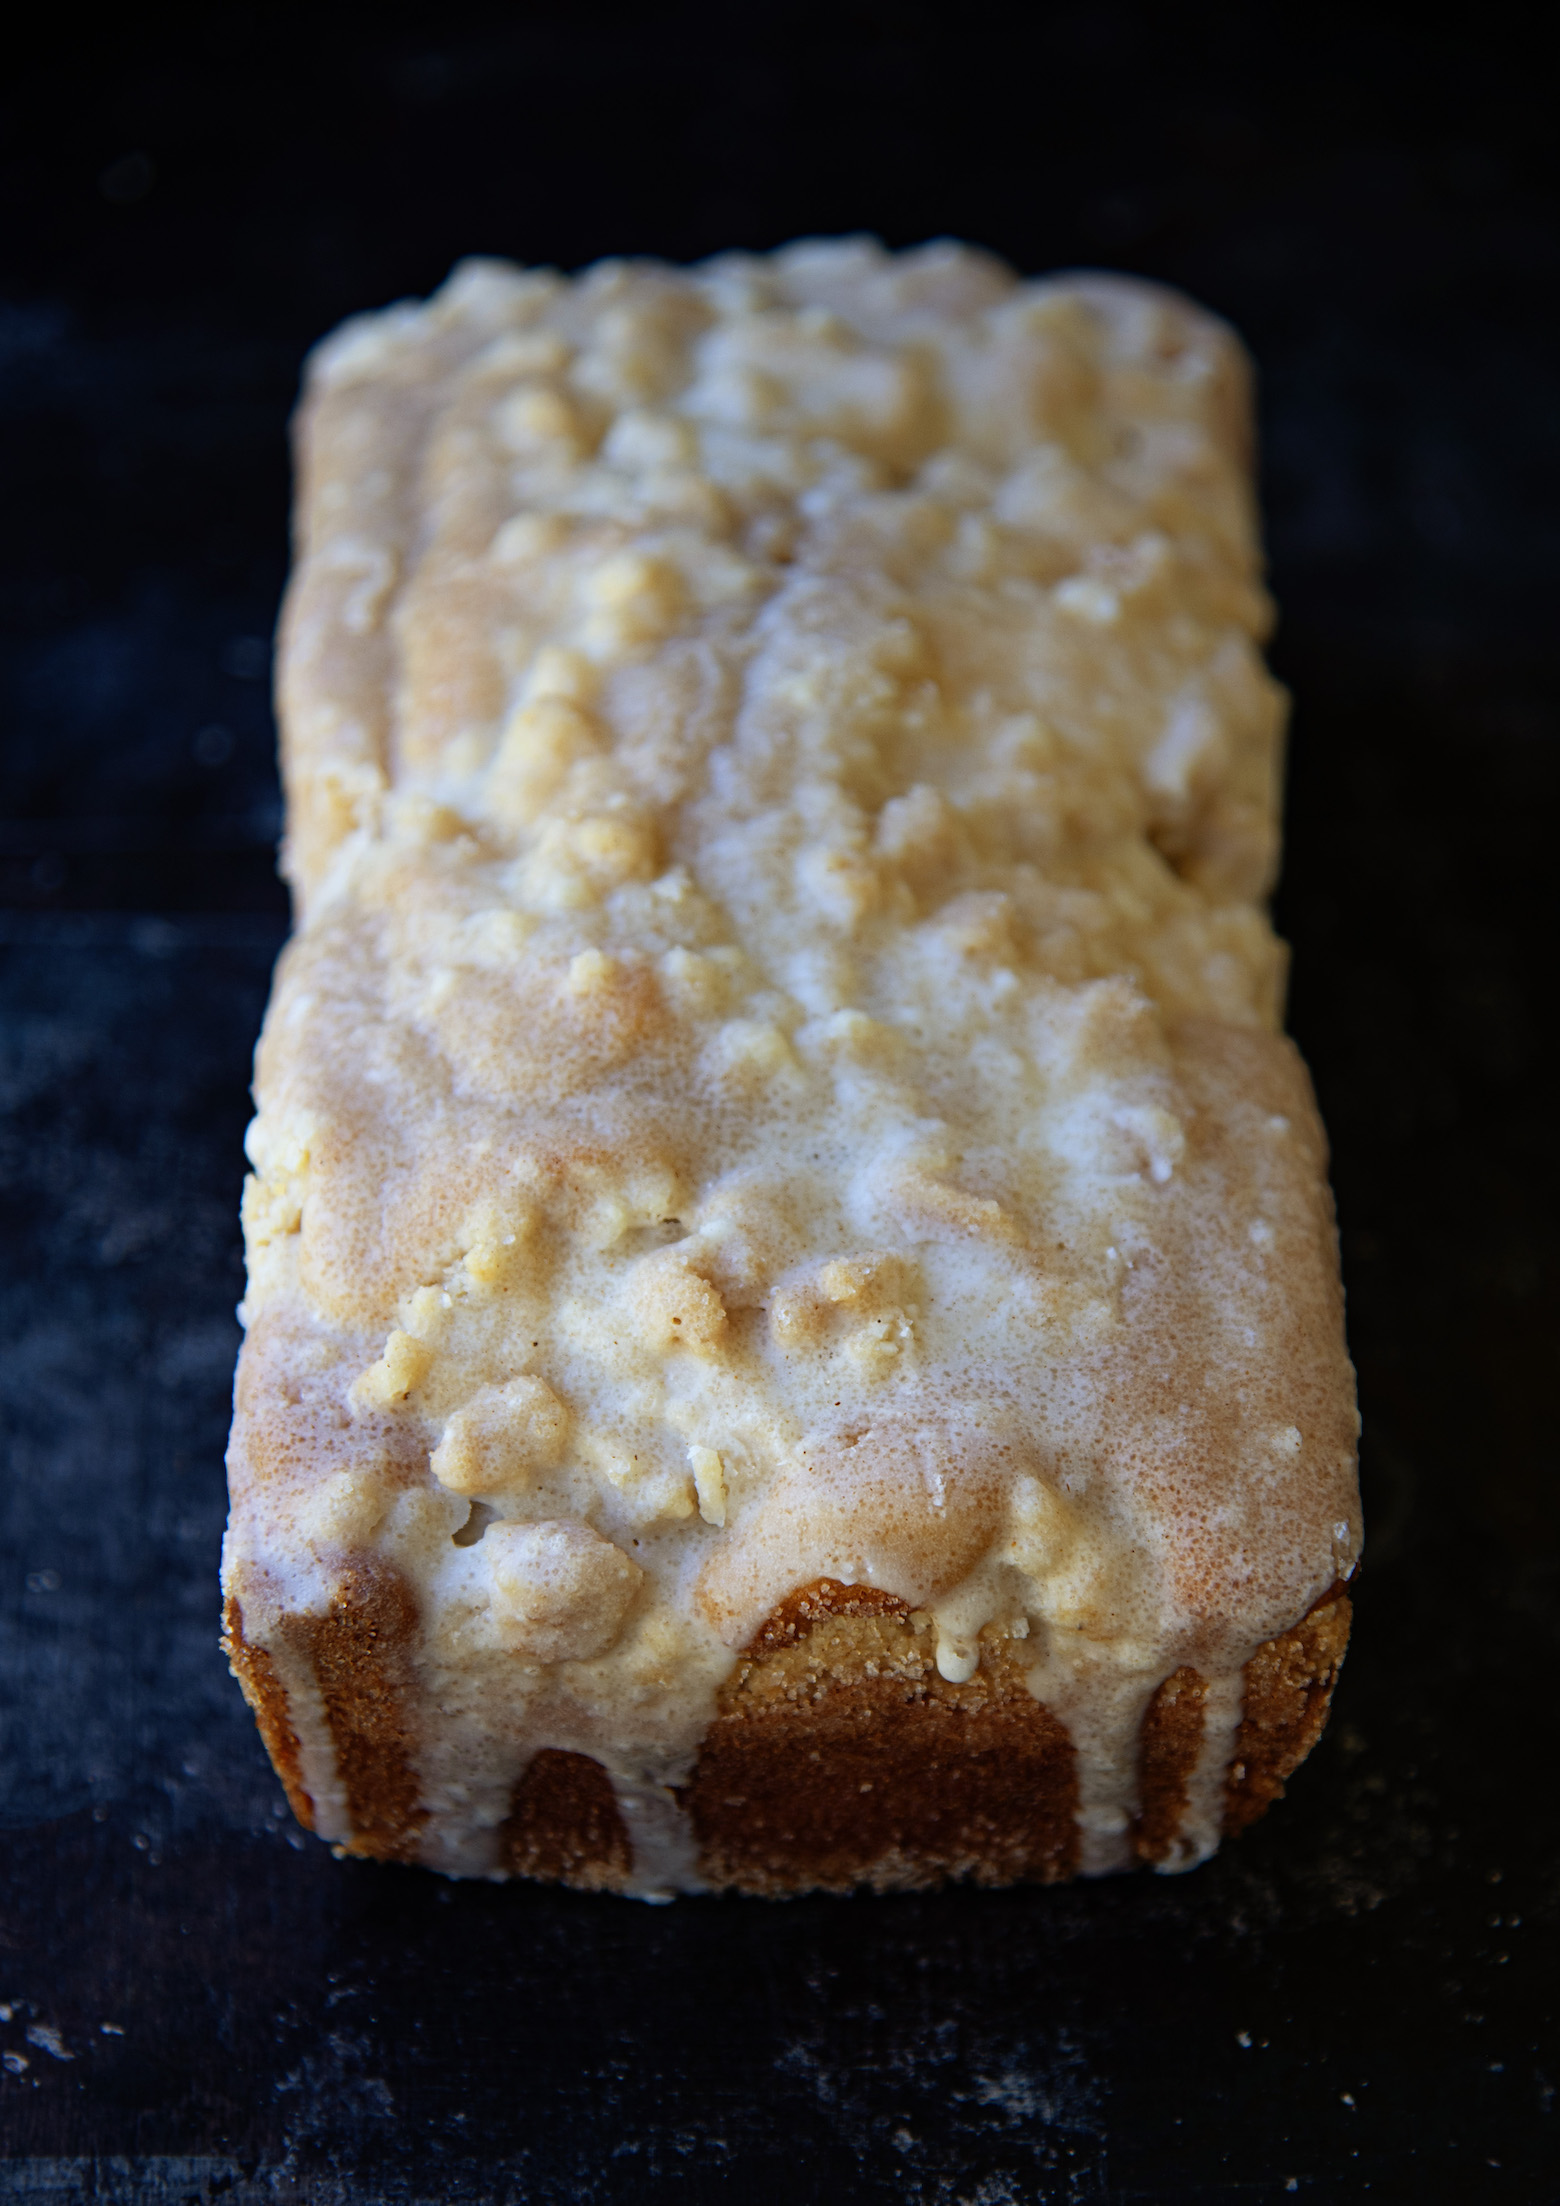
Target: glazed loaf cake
{"points": [[794, 1334]]}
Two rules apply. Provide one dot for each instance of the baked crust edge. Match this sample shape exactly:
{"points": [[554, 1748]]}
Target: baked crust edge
{"points": [[839, 1757]]}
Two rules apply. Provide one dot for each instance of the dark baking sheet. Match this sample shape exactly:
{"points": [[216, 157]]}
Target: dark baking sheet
{"points": [[195, 2001]]}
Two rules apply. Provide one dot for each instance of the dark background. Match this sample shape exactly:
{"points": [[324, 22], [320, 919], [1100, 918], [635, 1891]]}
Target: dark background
{"points": [[195, 2001]]}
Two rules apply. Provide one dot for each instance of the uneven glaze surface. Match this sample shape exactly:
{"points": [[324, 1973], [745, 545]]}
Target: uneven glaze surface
{"points": [[778, 1077]]}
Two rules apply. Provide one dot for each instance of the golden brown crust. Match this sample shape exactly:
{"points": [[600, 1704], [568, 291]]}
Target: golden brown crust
{"points": [[1289, 1688], [808, 1606], [1287, 1691], [266, 1695], [841, 1757], [564, 1826], [1168, 1747], [358, 1653]]}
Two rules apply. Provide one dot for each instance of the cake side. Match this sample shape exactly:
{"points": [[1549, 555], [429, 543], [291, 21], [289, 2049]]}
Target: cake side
{"points": [[778, 1076], [840, 1757]]}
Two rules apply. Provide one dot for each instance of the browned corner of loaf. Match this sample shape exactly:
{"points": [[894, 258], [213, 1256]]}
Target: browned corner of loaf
{"points": [[266, 1695], [841, 1757], [1289, 1688], [564, 1825], [1168, 1747], [359, 1650]]}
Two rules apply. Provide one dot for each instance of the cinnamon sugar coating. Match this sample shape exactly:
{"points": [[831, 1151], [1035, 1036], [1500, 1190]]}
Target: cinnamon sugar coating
{"points": [[778, 1078]]}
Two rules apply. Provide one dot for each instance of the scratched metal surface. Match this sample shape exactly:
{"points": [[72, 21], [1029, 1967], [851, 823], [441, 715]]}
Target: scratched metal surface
{"points": [[195, 2001]]}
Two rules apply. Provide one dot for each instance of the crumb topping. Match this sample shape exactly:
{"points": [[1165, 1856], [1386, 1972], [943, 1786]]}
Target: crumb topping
{"points": [[778, 1076]]}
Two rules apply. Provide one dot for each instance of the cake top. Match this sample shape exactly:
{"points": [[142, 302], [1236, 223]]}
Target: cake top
{"points": [[778, 1076]]}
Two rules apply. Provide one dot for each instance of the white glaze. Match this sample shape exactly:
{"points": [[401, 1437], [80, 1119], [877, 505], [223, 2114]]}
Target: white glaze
{"points": [[781, 787]]}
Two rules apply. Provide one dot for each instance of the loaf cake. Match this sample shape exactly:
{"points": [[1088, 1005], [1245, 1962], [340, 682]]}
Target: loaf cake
{"points": [[793, 1335]]}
